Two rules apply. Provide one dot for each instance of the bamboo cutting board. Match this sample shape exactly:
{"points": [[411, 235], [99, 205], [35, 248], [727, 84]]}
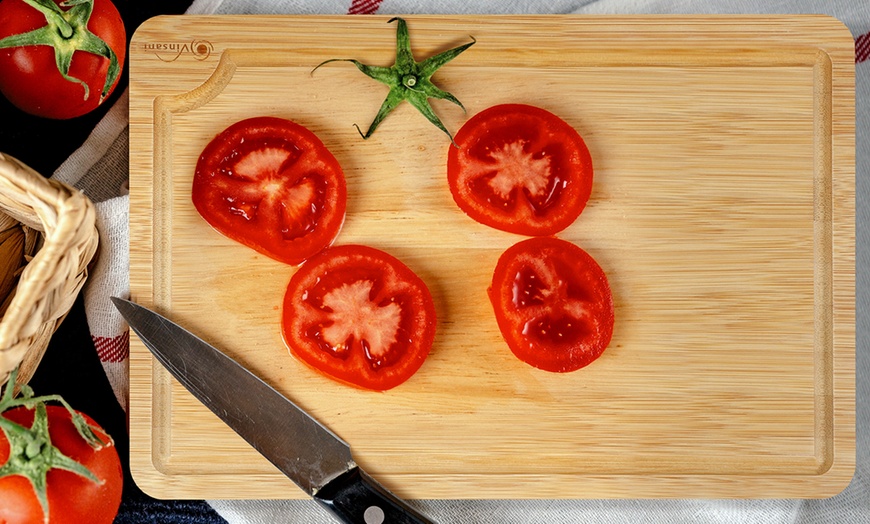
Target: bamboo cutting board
{"points": [[722, 212]]}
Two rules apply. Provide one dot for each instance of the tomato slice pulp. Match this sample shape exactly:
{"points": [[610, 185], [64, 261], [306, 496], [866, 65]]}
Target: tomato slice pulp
{"points": [[359, 315], [272, 185], [553, 304], [521, 169]]}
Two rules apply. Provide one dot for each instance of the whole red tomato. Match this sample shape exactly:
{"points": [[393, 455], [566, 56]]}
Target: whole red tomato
{"points": [[59, 61], [72, 499]]}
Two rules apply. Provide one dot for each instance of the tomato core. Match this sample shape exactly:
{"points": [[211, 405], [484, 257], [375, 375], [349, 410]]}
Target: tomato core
{"points": [[356, 322]]}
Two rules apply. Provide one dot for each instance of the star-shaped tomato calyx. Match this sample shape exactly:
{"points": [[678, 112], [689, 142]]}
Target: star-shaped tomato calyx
{"points": [[67, 32], [408, 79]]}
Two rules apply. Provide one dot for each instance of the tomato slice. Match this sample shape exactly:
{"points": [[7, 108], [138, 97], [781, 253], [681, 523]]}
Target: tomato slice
{"points": [[272, 185], [552, 303], [520, 169], [359, 315]]}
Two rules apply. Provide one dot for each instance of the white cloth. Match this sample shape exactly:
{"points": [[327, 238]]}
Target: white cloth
{"points": [[104, 179]]}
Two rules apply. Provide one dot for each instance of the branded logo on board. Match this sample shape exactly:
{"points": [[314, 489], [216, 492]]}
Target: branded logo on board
{"points": [[172, 51]]}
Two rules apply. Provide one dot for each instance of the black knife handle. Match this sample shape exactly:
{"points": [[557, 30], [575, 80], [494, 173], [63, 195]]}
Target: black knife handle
{"points": [[356, 498]]}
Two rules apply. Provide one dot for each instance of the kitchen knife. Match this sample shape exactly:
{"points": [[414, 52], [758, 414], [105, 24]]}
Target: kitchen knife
{"points": [[302, 448]]}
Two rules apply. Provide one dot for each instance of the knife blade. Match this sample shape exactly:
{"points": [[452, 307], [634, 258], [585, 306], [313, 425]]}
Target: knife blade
{"points": [[307, 452]]}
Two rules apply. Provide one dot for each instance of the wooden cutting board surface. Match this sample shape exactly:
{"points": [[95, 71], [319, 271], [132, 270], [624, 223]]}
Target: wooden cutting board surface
{"points": [[722, 212]]}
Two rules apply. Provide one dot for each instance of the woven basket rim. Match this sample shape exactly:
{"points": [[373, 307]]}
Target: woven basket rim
{"points": [[52, 279]]}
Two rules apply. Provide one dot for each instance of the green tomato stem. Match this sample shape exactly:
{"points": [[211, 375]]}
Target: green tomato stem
{"points": [[53, 15], [408, 80]]}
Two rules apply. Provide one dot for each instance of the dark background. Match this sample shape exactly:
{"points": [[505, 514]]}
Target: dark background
{"points": [[71, 367]]}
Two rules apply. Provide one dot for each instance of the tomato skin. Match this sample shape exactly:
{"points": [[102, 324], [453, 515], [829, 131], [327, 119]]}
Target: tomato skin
{"points": [[553, 304], [272, 185], [360, 316], [520, 169], [72, 499], [29, 78]]}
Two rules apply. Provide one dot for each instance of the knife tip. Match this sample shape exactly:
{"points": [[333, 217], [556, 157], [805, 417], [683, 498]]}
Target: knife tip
{"points": [[121, 304]]}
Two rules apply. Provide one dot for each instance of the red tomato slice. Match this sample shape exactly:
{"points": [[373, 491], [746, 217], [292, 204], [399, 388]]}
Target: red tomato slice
{"points": [[360, 316], [520, 169], [552, 303], [272, 185]]}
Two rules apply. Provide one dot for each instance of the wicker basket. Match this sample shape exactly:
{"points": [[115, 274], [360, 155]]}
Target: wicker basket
{"points": [[58, 242]]}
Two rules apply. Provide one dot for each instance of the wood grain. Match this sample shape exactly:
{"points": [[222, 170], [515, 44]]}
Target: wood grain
{"points": [[722, 212]]}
